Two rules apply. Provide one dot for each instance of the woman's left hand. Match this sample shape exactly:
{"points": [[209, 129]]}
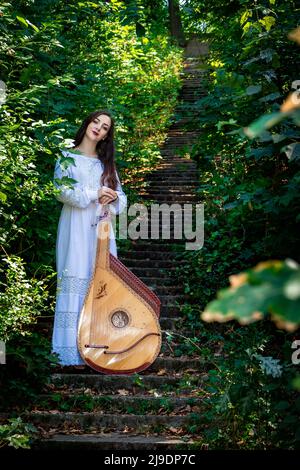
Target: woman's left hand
{"points": [[107, 195]]}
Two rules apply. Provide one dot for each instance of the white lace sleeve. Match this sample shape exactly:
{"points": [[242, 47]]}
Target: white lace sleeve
{"points": [[76, 195], [119, 205]]}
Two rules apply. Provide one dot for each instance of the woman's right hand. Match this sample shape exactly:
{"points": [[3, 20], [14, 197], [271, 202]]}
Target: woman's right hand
{"points": [[106, 195]]}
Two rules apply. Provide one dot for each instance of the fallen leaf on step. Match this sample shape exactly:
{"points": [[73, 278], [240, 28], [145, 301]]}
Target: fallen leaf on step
{"points": [[126, 429], [175, 430], [123, 392], [162, 372]]}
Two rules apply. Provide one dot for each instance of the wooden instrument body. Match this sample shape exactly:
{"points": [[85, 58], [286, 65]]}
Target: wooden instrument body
{"points": [[118, 331]]}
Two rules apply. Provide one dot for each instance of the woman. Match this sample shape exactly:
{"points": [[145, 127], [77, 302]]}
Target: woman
{"points": [[97, 183]]}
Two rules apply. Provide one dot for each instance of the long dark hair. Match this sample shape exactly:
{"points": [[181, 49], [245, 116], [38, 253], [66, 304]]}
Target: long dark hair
{"points": [[104, 148]]}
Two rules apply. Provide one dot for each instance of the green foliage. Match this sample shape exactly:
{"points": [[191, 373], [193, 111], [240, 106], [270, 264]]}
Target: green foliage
{"points": [[271, 287], [16, 434], [29, 365], [22, 301], [249, 400]]}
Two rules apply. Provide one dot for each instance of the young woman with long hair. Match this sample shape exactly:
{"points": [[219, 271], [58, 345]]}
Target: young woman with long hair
{"points": [[97, 183]]}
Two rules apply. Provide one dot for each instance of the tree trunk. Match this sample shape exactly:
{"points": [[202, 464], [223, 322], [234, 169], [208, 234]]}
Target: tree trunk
{"points": [[176, 28]]}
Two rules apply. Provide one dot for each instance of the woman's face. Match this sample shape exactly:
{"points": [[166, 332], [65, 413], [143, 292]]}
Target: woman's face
{"points": [[98, 128]]}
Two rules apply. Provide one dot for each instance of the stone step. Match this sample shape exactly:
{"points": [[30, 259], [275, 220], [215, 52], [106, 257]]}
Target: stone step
{"points": [[170, 311], [191, 96], [167, 323], [187, 135], [191, 89], [171, 181], [153, 229], [183, 164], [158, 281], [175, 185], [151, 255], [163, 239], [169, 162], [170, 199], [172, 158], [133, 383], [166, 290], [169, 299], [160, 263], [163, 246], [100, 422], [166, 191], [111, 441], [154, 272], [63, 401], [176, 144], [170, 173]]}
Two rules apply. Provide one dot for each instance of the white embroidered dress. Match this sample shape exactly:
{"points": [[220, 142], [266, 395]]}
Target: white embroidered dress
{"points": [[76, 247]]}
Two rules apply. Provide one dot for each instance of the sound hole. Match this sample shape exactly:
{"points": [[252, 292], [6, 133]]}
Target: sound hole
{"points": [[120, 319]]}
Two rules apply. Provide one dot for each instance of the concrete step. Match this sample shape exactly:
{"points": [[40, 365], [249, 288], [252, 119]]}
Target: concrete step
{"points": [[157, 281], [164, 246], [150, 255], [176, 165], [170, 311], [169, 199], [62, 401], [170, 299], [160, 263], [170, 173], [171, 181], [111, 441], [175, 185], [173, 159], [166, 192], [100, 422], [137, 383], [154, 272], [166, 290]]}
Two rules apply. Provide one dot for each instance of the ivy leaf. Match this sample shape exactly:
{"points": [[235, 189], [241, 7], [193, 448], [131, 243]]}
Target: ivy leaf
{"points": [[27, 22], [268, 22], [253, 89], [270, 287], [262, 123], [292, 151], [3, 197]]}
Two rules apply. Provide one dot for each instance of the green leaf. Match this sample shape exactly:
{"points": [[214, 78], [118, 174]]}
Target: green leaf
{"points": [[292, 151], [253, 89], [268, 22], [3, 197], [27, 22], [270, 287], [264, 122], [22, 20]]}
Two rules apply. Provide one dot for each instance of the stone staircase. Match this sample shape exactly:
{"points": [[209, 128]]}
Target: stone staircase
{"points": [[160, 407]]}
